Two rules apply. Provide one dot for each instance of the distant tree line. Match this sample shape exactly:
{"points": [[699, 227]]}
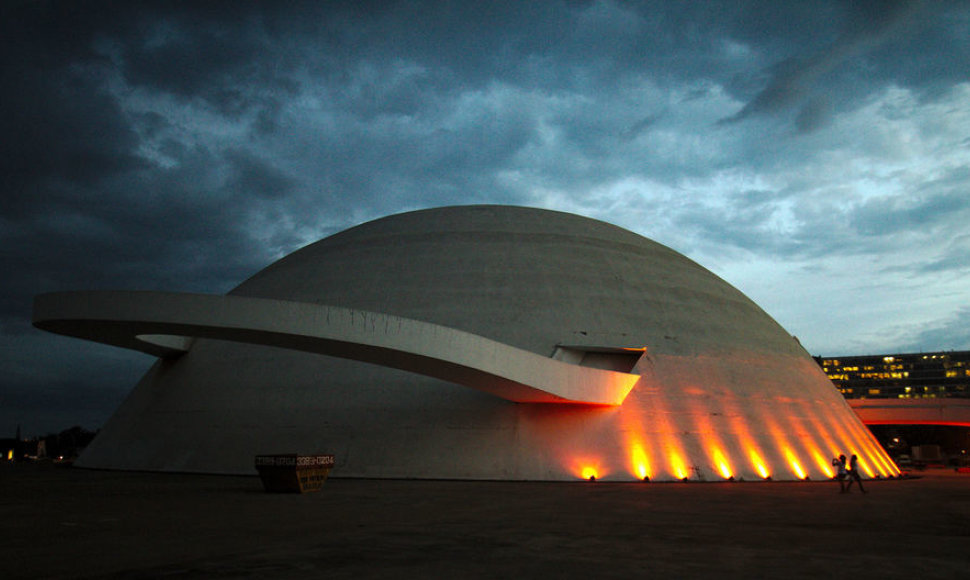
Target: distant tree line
{"points": [[63, 446], [69, 443]]}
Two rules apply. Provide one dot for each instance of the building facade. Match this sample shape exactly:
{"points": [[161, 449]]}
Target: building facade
{"points": [[916, 404], [925, 375], [476, 342]]}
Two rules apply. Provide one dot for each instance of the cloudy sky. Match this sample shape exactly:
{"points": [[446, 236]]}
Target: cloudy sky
{"points": [[815, 154]]}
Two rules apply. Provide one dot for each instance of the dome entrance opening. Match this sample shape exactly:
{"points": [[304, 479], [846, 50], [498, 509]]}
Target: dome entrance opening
{"points": [[607, 358]]}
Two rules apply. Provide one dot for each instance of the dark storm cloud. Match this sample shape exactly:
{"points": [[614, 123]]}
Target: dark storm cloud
{"points": [[954, 258], [751, 222], [84, 207], [955, 330], [60, 127], [888, 217], [73, 168], [866, 25], [935, 209]]}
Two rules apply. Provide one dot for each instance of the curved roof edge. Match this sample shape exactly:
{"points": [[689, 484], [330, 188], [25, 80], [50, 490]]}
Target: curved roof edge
{"points": [[162, 324]]}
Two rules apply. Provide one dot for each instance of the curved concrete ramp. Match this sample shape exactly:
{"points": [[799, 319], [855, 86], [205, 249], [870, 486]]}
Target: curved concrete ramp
{"points": [[164, 324]]}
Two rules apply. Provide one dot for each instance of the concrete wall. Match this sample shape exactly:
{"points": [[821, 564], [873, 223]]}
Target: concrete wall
{"points": [[724, 391]]}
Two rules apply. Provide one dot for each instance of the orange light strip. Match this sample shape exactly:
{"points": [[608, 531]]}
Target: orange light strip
{"points": [[802, 442], [880, 456], [778, 436], [747, 441], [671, 446], [850, 441], [817, 429], [793, 462], [678, 467], [845, 440], [875, 455], [640, 465], [640, 462], [758, 463], [711, 442], [721, 462], [824, 430], [869, 449], [586, 466], [823, 463]]}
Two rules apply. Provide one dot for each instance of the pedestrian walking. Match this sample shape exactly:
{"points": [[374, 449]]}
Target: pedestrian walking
{"points": [[839, 464], [854, 474]]}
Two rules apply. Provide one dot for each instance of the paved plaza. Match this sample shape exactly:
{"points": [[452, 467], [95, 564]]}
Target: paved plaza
{"points": [[63, 522]]}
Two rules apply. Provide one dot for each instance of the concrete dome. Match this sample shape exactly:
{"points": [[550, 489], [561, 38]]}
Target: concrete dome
{"points": [[723, 391], [528, 277]]}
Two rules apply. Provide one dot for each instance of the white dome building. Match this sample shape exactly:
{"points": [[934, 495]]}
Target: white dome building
{"points": [[478, 342]]}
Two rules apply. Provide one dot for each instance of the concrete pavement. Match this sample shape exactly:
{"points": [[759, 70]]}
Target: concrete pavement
{"points": [[68, 523]]}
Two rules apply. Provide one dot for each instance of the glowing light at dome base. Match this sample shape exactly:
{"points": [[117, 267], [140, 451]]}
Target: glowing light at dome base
{"points": [[688, 457]]}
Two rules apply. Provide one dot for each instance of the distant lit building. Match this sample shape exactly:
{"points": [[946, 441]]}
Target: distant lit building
{"points": [[925, 375], [8, 449], [911, 402], [12, 449]]}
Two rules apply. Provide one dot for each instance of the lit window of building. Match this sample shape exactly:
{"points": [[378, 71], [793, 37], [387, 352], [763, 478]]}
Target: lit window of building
{"points": [[916, 375]]}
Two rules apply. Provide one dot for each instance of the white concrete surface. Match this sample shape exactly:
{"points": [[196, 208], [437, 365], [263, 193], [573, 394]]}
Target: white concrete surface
{"points": [[164, 324], [723, 391]]}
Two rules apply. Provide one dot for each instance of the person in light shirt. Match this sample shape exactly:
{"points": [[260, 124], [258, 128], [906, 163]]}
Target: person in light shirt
{"points": [[839, 464]]}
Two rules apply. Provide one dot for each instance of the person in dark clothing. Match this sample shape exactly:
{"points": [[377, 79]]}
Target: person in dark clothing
{"points": [[854, 474]]}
